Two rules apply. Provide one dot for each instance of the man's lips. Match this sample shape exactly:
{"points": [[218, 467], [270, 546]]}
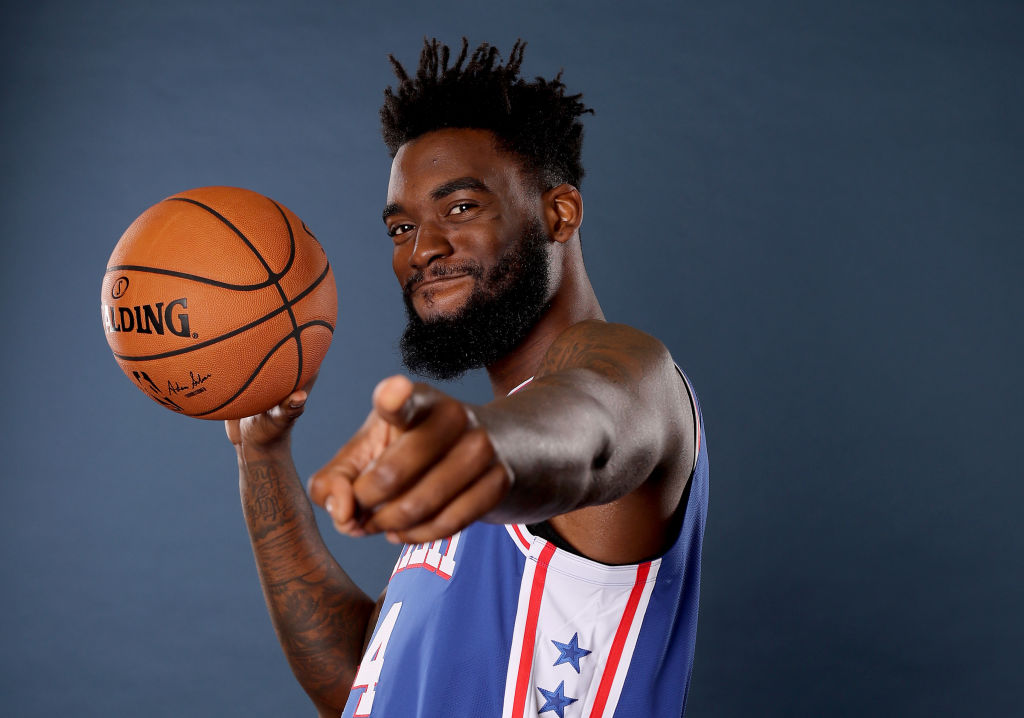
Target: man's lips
{"points": [[432, 281]]}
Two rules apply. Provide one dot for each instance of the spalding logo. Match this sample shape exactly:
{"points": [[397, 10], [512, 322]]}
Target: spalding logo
{"points": [[147, 318], [119, 288]]}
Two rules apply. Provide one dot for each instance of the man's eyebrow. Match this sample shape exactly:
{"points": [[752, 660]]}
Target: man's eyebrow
{"points": [[443, 190], [440, 192]]}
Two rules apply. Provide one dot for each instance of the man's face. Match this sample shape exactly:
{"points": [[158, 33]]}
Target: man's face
{"points": [[470, 251]]}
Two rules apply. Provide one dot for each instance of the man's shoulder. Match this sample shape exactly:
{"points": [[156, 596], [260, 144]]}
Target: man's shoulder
{"points": [[627, 351], [602, 329]]}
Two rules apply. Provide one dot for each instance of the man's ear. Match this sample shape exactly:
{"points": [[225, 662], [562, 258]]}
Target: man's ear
{"points": [[563, 212]]}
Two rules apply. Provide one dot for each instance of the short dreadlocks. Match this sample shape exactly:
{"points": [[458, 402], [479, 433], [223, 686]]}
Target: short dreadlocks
{"points": [[535, 120]]}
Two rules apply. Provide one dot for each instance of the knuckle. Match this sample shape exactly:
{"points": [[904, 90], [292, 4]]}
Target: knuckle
{"points": [[313, 485], [500, 482], [321, 485], [384, 477], [479, 443], [318, 484], [452, 413], [445, 525], [471, 419], [404, 513]]}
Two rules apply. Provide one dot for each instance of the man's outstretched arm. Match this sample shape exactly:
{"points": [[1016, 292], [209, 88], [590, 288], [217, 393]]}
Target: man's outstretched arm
{"points": [[320, 616], [606, 428]]}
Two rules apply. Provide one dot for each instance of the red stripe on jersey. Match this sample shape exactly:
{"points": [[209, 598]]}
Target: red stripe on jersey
{"points": [[619, 642], [522, 539], [530, 630]]}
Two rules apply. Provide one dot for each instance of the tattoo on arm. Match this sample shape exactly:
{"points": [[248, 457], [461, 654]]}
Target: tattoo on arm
{"points": [[272, 498], [319, 614], [614, 351], [264, 500]]}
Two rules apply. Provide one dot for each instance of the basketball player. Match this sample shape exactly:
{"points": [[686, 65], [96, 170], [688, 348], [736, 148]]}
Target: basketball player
{"points": [[552, 537]]}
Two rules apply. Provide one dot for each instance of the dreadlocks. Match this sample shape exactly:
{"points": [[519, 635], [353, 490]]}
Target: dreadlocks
{"points": [[535, 120]]}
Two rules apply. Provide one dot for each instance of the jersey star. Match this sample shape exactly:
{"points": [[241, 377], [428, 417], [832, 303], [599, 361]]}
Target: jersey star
{"points": [[571, 652], [556, 700]]}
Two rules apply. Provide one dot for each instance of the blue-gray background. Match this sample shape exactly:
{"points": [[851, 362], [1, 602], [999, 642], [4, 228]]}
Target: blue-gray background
{"points": [[817, 207]]}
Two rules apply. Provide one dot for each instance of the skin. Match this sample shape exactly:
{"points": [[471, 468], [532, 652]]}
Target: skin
{"points": [[600, 444]]}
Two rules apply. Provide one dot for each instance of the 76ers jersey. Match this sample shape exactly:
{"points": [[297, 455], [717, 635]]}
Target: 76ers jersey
{"points": [[495, 622]]}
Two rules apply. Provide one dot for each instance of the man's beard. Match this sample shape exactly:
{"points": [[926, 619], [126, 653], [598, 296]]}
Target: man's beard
{"points": [[505, 304]]}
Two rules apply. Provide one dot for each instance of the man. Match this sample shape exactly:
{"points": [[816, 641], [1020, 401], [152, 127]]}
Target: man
{"points": [[553, 536]]}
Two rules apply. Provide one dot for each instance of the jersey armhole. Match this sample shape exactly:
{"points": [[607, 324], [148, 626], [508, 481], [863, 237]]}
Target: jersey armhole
{"points": [[695, 414], [546, 531]]}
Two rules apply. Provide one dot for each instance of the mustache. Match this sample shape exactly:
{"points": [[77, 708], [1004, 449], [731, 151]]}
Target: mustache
{"points": [[437, 270]]}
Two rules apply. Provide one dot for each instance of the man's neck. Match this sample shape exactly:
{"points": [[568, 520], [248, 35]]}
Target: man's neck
{"points": [[574, 302]]}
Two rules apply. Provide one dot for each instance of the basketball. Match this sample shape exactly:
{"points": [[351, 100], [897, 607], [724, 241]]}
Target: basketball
{"points": [[218, 302]]}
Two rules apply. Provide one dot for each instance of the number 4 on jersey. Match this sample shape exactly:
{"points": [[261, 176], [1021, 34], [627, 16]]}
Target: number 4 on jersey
{"points": [[369, 670]]}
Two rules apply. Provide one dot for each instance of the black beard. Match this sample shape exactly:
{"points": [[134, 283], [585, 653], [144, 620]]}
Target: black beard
{"points": [[496, 318]]}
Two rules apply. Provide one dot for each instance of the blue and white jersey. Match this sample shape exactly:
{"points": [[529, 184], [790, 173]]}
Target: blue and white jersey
{"points": [[496, 622]]}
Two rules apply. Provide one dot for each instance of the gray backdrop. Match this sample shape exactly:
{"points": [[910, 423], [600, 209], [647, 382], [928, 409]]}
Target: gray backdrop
{"points": [[816, 206]]}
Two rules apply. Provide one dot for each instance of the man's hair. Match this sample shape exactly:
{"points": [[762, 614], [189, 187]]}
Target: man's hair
{"points": [[535, 120]]}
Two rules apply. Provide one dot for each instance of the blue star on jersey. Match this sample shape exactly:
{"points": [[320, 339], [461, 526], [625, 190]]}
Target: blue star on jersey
{"points": [[556, 700], [571, 652]]}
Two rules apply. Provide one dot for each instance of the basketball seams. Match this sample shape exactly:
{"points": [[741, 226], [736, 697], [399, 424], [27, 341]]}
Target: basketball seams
{"points": [[272, 276], [284, 297], [176, 352], [190, 277], [259, 367]]}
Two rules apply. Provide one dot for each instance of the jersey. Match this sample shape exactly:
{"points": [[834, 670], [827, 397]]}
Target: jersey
{"points": [[497, 622]]}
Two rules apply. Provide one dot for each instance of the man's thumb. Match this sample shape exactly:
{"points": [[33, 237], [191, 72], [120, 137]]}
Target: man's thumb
{"points": [[397, 402]]}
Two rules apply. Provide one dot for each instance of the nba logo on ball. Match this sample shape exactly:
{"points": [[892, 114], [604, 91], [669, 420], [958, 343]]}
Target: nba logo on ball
{"points": [[218, 302]]}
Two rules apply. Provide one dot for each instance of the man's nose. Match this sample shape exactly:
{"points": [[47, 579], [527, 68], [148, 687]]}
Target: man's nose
{"points": [[431, 243]]}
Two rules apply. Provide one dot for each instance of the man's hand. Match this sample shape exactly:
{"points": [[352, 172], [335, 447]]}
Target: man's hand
{"points": [[420, 468], [271, 429]]}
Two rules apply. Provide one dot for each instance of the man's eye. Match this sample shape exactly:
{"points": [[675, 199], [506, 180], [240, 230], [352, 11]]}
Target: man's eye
{"points": [[399, 229], [462, 207]]}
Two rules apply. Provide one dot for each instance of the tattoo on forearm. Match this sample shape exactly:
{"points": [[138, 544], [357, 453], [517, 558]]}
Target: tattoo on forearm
{"points": [[318, 626], [319, 614], [263, 500]]}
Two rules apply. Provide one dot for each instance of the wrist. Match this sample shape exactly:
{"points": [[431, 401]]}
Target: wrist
{"points": [[252, 451]]}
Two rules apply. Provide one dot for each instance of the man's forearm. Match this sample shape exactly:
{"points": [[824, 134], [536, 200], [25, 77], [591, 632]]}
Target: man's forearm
{"points": [[320, 615]]}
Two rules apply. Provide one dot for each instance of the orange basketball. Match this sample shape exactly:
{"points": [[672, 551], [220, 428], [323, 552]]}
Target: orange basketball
{"points": [[218, 302]]}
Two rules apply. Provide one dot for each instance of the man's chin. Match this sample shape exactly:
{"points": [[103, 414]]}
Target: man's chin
{"points": [[434, 314], [435, 348]]}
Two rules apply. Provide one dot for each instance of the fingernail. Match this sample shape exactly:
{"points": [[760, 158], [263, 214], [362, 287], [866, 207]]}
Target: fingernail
{"points": [[392, 537], [329, 504]]}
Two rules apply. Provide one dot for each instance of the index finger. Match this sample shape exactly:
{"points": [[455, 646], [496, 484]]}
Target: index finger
{"points": [[352, 459], [412, 454]]}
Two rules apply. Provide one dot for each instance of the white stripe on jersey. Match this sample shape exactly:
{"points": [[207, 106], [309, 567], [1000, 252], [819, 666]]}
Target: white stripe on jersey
{"points": [[576, 627]]}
